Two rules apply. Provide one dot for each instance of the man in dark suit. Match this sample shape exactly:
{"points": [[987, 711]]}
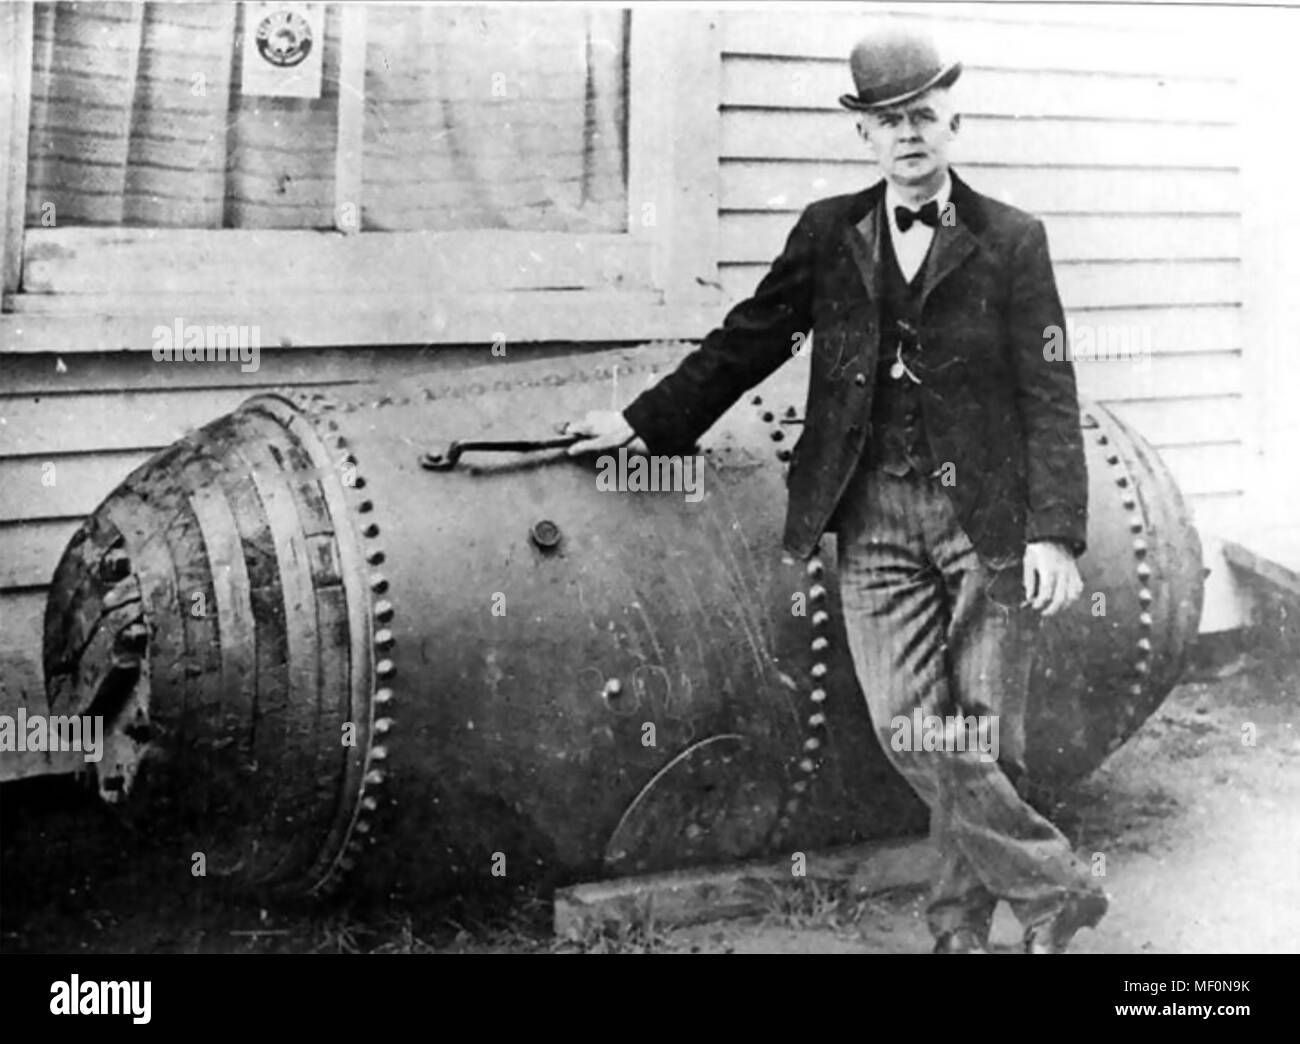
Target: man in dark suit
{"points": [[943, 447]]}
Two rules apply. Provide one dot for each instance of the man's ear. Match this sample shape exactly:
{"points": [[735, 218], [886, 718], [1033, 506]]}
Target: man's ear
{"points": [[955, 122]]}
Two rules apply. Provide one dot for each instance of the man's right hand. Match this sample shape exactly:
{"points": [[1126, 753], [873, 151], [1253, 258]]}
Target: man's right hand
{"points": [[605, 430]]}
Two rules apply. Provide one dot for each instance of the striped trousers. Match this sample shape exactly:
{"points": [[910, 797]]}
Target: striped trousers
{"points": [[934, 629]]}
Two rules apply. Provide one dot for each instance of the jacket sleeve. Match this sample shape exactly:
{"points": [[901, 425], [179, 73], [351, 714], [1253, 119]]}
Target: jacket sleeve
{"points": [[1047, 401], [757, 336]]}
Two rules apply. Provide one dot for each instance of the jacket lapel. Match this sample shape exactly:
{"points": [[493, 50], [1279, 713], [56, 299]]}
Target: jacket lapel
{"points": [[865, 243], [955, 242], [952, 245]]}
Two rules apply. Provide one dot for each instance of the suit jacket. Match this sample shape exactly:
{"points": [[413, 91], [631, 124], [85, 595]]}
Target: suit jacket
{"points": [[991, 403]]}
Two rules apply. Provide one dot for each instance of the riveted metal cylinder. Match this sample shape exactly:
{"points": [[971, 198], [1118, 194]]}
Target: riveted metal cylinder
{"points": [[512, 658]]}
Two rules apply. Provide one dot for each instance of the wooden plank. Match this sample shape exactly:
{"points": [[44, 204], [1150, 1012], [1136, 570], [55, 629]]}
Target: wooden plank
{"points": [[89, 423], [30, 551], [683, 897], [521, 318], [15, 108], [1009, 39], [816, 84], [37, 374], [1128, 372], [1186, 422], [349, 144], [1272, 555], [1214, 470], [758, 236], [61, 487], [149, 262], [790, 185], [22, 617], [1088, 284], [769, 134]]}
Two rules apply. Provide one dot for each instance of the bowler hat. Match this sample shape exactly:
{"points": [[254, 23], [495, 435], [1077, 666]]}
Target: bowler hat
{"points": [[891, 66]]}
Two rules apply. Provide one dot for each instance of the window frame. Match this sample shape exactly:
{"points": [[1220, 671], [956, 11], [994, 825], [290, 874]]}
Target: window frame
{"points": [[93, 288]]}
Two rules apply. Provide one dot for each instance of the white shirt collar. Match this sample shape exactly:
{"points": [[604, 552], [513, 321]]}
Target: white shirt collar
{"points": [[894, 199]]}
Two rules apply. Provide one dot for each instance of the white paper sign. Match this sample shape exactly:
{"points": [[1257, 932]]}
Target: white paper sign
{"points": [[283, 43]]}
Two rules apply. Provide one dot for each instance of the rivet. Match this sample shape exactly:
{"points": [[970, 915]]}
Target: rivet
{"points": [[613, 687], [783, 454], [757, 400], [816, 593], [1144, 645], [799, 786], [382, 725], [811, 743], [769, 416], [783, 824], [1140, 547], [369, 803], [366, 505], [379, 753], [818, 696], [383, 695], [790, 411], [1135, 524], [1135, 689], [820, 618], [1102, 439], [374, 777], [806, 765], [358, 482], [1142, 666], [348, 459], [362, 827], [1121, 480], [378, 583], [1128, 501], [1112, 458], [544, 534], [816, 568], [332, 425], [778, 435], [1144, 620], [817, 720], [347, 863], [818, 671], [385, 669], [375, 557], [792, 806], [340, 442], [1143, 571], [370, 530], [1145, 597], [820, 644], [383, 638], [383, 611]]}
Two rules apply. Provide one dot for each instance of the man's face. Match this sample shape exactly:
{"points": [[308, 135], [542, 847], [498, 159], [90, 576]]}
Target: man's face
{"points": [[910, 141]]}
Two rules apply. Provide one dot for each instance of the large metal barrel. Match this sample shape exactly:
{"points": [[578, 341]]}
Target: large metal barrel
{"points": [[318, 656]]}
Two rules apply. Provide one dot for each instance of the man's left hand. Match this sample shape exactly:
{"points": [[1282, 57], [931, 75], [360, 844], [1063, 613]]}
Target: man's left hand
{"points": [[1052, 578]]}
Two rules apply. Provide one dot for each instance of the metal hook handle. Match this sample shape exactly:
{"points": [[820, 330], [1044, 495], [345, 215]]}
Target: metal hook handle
{"points": [[448, 460]]}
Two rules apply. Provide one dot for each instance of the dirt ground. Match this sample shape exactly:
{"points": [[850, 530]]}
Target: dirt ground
{"points": [[1200, 833]]}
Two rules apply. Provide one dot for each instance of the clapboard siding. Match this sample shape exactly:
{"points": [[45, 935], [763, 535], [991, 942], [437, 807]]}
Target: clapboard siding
{"points": [[1123, 137], [1120, 136]]}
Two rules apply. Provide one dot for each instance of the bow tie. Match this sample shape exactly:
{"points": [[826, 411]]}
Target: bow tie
{"points": [[927, 215]]}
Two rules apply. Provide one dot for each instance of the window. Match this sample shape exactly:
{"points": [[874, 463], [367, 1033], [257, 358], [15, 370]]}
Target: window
{"points": [[452, 155]]}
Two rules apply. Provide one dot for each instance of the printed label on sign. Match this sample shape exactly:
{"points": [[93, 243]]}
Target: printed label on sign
{"points": [[283, 43]]}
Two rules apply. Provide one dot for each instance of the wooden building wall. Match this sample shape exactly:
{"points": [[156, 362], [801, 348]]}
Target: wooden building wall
{"points": [[1119, 137]]}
